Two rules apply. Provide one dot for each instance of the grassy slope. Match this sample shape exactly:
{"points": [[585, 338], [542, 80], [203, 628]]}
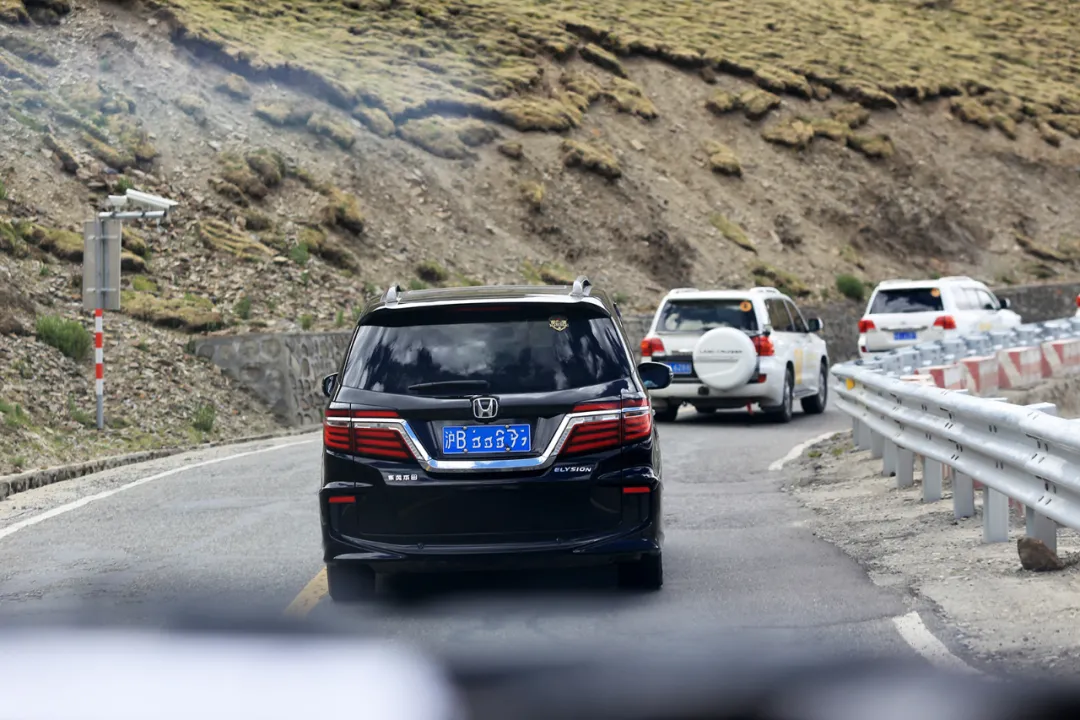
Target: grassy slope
{"points": [[407, 56]]}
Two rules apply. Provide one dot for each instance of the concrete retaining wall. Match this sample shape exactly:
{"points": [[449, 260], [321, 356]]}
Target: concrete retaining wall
{"points": [[286, 370]]}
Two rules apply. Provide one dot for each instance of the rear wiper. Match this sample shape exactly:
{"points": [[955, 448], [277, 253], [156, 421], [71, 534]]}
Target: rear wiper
{"points": [[448, 386]]}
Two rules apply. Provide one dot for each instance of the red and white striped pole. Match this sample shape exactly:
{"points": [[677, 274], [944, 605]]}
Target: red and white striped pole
{"points": [[99, 368]]}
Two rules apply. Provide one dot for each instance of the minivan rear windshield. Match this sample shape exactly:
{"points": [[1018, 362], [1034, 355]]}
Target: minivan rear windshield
{"points": [[469, 349], [907, 300], [698, 316]]}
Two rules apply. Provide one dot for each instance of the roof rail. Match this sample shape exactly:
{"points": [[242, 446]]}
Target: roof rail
{"points": [[392, 295], [676, 291], [766, 289], [581, 286], [957, 278]]}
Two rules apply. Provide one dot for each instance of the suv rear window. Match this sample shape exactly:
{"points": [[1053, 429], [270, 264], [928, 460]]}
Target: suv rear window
{"points": [[906, 300], [518, 348], [698, 316]]}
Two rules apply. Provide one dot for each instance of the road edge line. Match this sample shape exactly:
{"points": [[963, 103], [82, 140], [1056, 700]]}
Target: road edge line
{"points": [[915, 633], [84, 501], [34, 479], [798, 450]]}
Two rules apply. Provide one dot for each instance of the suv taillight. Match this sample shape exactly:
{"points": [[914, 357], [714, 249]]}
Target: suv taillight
{"points": [[764, 346], [946, 322], [1078, 301], [614, 425], [651, 345], [343, 430], [866, 326]]}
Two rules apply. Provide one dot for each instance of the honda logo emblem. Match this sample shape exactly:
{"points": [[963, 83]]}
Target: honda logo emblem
{"points": [[485, 408]]}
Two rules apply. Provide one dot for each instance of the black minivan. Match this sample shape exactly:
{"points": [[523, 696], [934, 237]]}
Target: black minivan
{"points": [[490, 428]]}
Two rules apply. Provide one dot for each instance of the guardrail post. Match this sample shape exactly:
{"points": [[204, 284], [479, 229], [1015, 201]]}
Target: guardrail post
{"points": [[862, 438], [905, 467], [877, 445], [1041, 527], [932, 475], [995, 516], [963, 495], [888, 464]]}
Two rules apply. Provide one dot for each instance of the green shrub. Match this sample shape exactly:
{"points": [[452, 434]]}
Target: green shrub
{"points": [[299, 254], [851, 287], [243, 308], [14, 416], [80, 416], [141, 283], [339, 320], [67, 336], [203, 421], [124, 184], [3, 191], [306, 321]]}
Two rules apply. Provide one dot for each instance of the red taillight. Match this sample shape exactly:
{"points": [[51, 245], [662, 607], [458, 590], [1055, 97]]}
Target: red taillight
{"points": [[1078, 301], [650, 346], [866, 326], [764, 346], [635, 490], [341, 499], [945, 322], [342, 432], [612, 429]]}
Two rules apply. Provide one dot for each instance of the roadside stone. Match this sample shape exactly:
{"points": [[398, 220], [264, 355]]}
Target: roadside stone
{"points": [[1035, 556]]}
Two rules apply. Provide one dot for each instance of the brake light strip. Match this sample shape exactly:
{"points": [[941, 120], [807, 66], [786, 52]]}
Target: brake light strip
{"points": [[506, 464]]}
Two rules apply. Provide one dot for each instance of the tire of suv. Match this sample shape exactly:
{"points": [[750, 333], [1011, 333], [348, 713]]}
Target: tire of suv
{"points": [[815, 405], [644, 574], [668, 414], [785, 411], [349, 583]]}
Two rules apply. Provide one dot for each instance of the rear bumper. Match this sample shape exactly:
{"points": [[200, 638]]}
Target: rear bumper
{"points": [[561, 520], [629, 546]]}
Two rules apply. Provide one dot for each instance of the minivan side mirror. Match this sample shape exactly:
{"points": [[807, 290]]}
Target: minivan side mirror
{"points": [[328, 383], [655, 376], [1005, 303], [815, 324]]}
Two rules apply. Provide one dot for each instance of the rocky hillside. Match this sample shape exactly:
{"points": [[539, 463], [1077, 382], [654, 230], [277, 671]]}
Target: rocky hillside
{"points": [[320, 150]]}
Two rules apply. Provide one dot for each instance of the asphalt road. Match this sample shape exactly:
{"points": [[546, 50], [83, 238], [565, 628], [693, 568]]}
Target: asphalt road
{"points": [[242, 533]]}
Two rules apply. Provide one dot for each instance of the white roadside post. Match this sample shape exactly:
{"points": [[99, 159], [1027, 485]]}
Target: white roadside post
{"points": [[102, 241]]}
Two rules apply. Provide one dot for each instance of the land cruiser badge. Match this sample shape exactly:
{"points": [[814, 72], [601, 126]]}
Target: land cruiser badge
{"points": [[558, 323]]}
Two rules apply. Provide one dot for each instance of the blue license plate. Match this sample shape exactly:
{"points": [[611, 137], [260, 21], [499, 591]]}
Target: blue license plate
{"points": [[678, 368], [909, 335], [463, 439]]}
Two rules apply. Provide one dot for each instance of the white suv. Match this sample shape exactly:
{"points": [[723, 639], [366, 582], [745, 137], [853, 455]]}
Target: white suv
{"points": [[736, 348], [907, 312]]}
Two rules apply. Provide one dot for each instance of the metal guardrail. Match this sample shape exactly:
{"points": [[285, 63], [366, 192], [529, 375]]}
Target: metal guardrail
{"points": [[1023, 454]]}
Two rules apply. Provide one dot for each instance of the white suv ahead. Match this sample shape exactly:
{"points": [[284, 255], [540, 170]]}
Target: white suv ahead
{"points": [[907, 312], [736, 348]]}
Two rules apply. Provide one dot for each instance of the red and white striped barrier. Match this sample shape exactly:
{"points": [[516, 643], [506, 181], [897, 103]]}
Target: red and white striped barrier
{"points": [[980, 374], [1019, 367], [949, 377], [99, 358], [1060, 357]]}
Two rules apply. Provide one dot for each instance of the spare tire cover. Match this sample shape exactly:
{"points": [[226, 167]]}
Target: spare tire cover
{"points": [[725, 358]]}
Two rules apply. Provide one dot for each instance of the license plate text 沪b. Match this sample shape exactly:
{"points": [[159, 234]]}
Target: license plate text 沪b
{"points": [[503, 439]]}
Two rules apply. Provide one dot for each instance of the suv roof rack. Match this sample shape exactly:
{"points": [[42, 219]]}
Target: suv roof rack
{"points": [[676, 291], [581, 286], [768, 289], [392, 295]]}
